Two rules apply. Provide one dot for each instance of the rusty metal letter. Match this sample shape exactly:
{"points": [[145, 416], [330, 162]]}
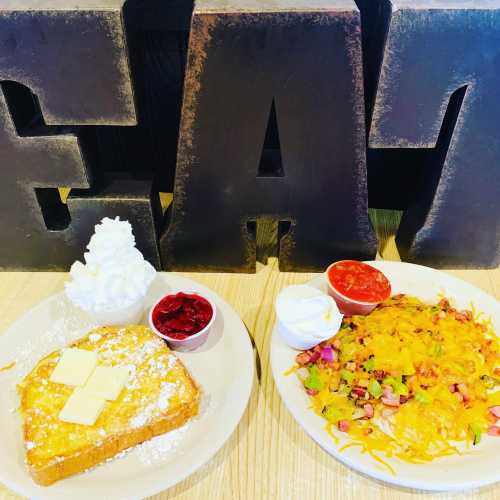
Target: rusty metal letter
{"points": [[74, 61], [440, 88], [294, 63]]}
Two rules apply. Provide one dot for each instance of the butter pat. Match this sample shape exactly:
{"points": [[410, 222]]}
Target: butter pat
{"points": [[82, 408], [107, 382], [74, 367]]}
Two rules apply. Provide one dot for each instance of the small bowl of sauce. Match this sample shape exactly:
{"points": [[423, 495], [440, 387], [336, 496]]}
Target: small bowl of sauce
{"points": [[183, 319], [356, 287]]}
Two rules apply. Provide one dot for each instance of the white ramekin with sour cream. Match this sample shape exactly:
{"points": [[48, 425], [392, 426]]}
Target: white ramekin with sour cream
{"points": [[306, 316]]}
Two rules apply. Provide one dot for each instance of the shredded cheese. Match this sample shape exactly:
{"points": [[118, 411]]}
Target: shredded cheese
{"points": [[432, 373]]}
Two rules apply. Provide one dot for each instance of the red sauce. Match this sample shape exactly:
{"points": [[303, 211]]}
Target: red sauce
{"points": [[181, 315], [359, 281]]}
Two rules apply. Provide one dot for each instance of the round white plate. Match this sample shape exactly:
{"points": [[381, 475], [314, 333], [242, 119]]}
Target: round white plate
{"points": [[224, 367], [478, 467]]}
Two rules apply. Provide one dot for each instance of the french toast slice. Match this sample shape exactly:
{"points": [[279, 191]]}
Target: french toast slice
{"points": [[159, 397]]}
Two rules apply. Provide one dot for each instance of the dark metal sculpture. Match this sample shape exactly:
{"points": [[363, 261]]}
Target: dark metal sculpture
{"points": [[250, 63], [75, 61], [440, 88]]}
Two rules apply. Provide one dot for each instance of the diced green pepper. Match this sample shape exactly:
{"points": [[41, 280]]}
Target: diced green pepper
{"points": [[397, 385], [347, 375], [423, 397], [375, 389], [313, 381], [369, 364]]}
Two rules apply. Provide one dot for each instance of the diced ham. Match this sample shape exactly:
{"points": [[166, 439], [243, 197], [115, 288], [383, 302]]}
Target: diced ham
{"points": [[463, 316], [343, 425], [387, 391], [495, 411], [314, 356], [453, 387], [303, 358], [444, 304], [369, 411], [491, 419], [359, 391], [462, 389], [494, 430], [311, 392], [336, 344], [390, 402]]}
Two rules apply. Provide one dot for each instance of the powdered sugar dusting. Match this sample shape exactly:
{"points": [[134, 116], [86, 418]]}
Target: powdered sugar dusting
{"points": [[68, 325], [156, 450], [166, 392], [141, 419], [95, 337]]}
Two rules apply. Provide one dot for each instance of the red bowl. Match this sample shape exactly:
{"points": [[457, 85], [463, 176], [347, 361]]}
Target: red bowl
{"points": [[348, 305]]}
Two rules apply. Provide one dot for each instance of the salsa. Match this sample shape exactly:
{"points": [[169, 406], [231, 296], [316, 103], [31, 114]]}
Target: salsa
{"points": [[181, 315], [359, 281]]}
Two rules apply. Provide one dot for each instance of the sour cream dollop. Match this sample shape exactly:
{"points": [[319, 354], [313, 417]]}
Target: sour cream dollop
{"points": [[115, 274], [306, 316]]}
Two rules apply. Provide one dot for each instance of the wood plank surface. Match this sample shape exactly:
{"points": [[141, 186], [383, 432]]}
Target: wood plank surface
{"points": [[268, 456]]}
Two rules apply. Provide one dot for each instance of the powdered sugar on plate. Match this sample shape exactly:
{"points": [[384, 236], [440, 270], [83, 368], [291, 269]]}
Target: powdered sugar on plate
{"points": [[156, 450], [69, 324]]}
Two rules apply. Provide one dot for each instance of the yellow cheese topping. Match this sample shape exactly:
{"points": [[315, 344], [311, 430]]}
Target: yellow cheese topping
{"points": [[409, 380]]}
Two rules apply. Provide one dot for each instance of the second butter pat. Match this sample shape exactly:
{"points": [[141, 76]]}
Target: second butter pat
{"points": [[107, 382], [82, 408]]}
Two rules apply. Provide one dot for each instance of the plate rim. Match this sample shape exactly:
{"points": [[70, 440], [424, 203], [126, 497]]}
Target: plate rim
{"points": [[329, 447], [246, 390]]}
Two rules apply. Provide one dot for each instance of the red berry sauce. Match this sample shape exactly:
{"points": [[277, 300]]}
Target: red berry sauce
{"points": [[181, 315]]}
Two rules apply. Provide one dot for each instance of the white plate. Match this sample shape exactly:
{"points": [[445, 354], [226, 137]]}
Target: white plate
{"points": [[480, 466], [224, 367]]}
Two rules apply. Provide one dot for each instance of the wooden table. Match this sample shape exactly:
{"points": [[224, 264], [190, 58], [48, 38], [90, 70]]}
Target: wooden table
{"points": [[268, 456]]}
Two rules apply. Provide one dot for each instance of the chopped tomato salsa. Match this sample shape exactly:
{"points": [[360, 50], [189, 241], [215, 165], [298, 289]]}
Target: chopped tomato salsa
{"points": [[181, 315], [359, 281]]}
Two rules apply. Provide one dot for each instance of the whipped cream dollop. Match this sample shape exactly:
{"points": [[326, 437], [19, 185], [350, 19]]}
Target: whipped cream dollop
{"points": [[306, 316], [115, 274]]}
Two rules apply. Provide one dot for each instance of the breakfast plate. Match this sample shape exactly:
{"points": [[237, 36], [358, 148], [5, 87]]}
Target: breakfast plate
{"points": [[223, 367], [475, 466]]}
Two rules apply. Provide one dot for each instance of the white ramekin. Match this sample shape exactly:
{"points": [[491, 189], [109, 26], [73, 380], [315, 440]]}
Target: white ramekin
{"points": [[296, 341], [291, 336], [122, 316]]}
